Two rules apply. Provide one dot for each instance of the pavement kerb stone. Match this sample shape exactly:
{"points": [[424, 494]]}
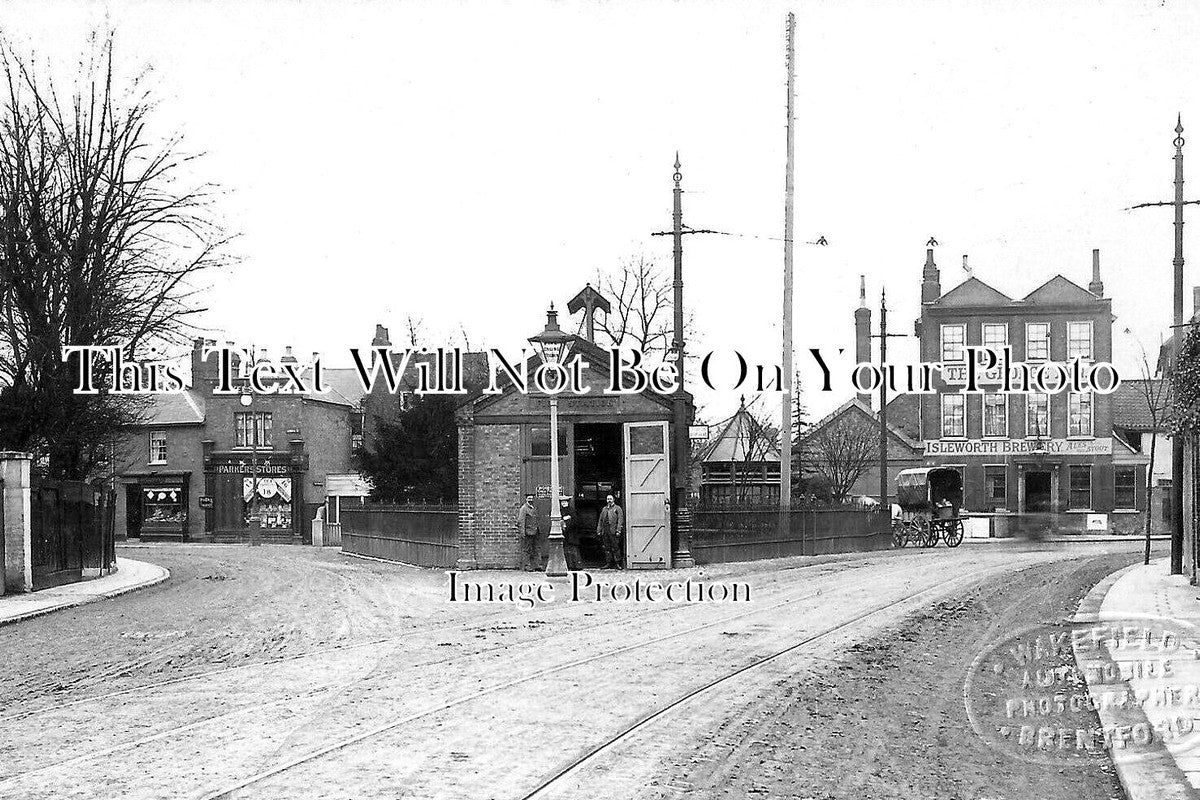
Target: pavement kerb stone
{"points": [[1157, 777], [156, 576]]}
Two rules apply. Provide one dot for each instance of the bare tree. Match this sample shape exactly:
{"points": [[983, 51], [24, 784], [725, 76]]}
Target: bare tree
{"points": [[640, 294], [757, 440], [1157, 394], [841, 451], [415, 327], [98, 245]]}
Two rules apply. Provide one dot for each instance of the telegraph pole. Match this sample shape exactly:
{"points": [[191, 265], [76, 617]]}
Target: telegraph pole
{"points": [[680, 444], [1178, 327], [789, 188], [883, 399]]}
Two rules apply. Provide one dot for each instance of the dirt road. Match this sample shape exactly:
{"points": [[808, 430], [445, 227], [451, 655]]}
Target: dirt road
{"points": [[287, 672]]}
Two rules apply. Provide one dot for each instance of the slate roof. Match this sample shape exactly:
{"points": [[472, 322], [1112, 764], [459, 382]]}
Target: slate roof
{"points": [[973, 292], [1131, 411], [854, 405], [1060, 290], [1057, 290], [737, 435], [344, 386], [180, 408]]}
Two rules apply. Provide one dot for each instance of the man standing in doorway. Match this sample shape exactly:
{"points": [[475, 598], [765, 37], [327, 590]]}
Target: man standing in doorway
{"points": [[527, 529], [609, 528]]}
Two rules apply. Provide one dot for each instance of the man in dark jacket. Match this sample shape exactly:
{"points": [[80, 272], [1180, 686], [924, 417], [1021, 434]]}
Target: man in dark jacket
{"points": [[609, 528], [527, 529]]}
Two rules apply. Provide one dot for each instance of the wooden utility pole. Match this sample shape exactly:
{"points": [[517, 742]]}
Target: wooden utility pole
{"points": [[785, 426], [883, 337], [883, 431], [1179, 333]]}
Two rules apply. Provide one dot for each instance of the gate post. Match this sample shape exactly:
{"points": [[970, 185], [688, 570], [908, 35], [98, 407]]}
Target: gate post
{"points": [[17, 541]]}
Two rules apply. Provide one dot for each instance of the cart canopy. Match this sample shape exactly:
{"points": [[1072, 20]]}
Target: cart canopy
{"points": [[928, 486]]}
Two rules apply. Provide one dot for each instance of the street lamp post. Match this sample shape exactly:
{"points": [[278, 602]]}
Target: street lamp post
{"points": [[253, 522], [553, 345]]}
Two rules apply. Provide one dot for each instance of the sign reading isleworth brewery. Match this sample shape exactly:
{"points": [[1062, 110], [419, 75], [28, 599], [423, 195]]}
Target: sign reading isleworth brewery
{"points": [[1016, 447]]}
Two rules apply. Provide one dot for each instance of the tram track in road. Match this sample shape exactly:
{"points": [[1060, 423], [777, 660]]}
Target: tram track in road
{"points": [[228, 790], [172, 651], [301, 696], [546, 784]]}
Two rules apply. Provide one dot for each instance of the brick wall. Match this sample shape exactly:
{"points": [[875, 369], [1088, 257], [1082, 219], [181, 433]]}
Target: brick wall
{"points": [[497, 495], [466, 493], [183, 455]]}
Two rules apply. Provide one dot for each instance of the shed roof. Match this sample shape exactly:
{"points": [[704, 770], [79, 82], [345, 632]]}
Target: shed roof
{"points": [[741, 437]]}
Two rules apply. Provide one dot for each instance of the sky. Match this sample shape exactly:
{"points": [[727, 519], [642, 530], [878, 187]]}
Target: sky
{"points": [[468, 163]]}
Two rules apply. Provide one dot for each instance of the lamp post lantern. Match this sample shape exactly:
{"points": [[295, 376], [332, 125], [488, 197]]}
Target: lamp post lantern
{"points": [[553, 344]]}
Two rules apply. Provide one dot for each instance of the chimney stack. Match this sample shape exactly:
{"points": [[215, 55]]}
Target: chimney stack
{"points": [[1096, 287], [235, 359], [862, 332], [1196, 300], [931, 279], [380, 340], [198, 365]]}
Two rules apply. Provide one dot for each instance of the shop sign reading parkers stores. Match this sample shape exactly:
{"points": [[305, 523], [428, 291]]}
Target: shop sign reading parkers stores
{"points": [[1016, 447]]}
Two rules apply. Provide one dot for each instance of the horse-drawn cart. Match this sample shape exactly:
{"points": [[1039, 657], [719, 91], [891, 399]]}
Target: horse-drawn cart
{"points": [[929, 500]]}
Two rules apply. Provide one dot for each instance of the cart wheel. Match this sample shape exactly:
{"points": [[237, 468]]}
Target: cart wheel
{"points": [[926, 536], [954, 533], [899, 533]]}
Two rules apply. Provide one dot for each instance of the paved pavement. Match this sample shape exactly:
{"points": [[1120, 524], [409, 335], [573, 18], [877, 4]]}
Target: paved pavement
{"points": [[1160, 681], [130, 575]]}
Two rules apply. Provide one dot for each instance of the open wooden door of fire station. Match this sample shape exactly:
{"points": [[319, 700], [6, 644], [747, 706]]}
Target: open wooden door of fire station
{"points": [[647, 495]]}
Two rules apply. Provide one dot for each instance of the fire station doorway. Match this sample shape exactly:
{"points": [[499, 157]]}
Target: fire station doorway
{"points": [[599, 472], [647, 495]]}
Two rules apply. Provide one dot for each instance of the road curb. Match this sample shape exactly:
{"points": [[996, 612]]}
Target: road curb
{"points": [[1141, 778], [1062, 539], [158, 575]]}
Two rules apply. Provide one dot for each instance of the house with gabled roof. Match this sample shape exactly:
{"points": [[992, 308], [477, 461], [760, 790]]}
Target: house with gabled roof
{"points": [[200, 464], [842, 448]]}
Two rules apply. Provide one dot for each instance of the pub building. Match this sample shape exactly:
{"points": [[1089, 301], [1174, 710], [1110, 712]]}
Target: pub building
{"points": [[202, 463], [1026, 453], [1077, 461]]}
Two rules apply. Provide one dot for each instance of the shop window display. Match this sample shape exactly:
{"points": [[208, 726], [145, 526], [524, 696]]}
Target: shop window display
{"points": [[272, 502], [162, 505]]}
